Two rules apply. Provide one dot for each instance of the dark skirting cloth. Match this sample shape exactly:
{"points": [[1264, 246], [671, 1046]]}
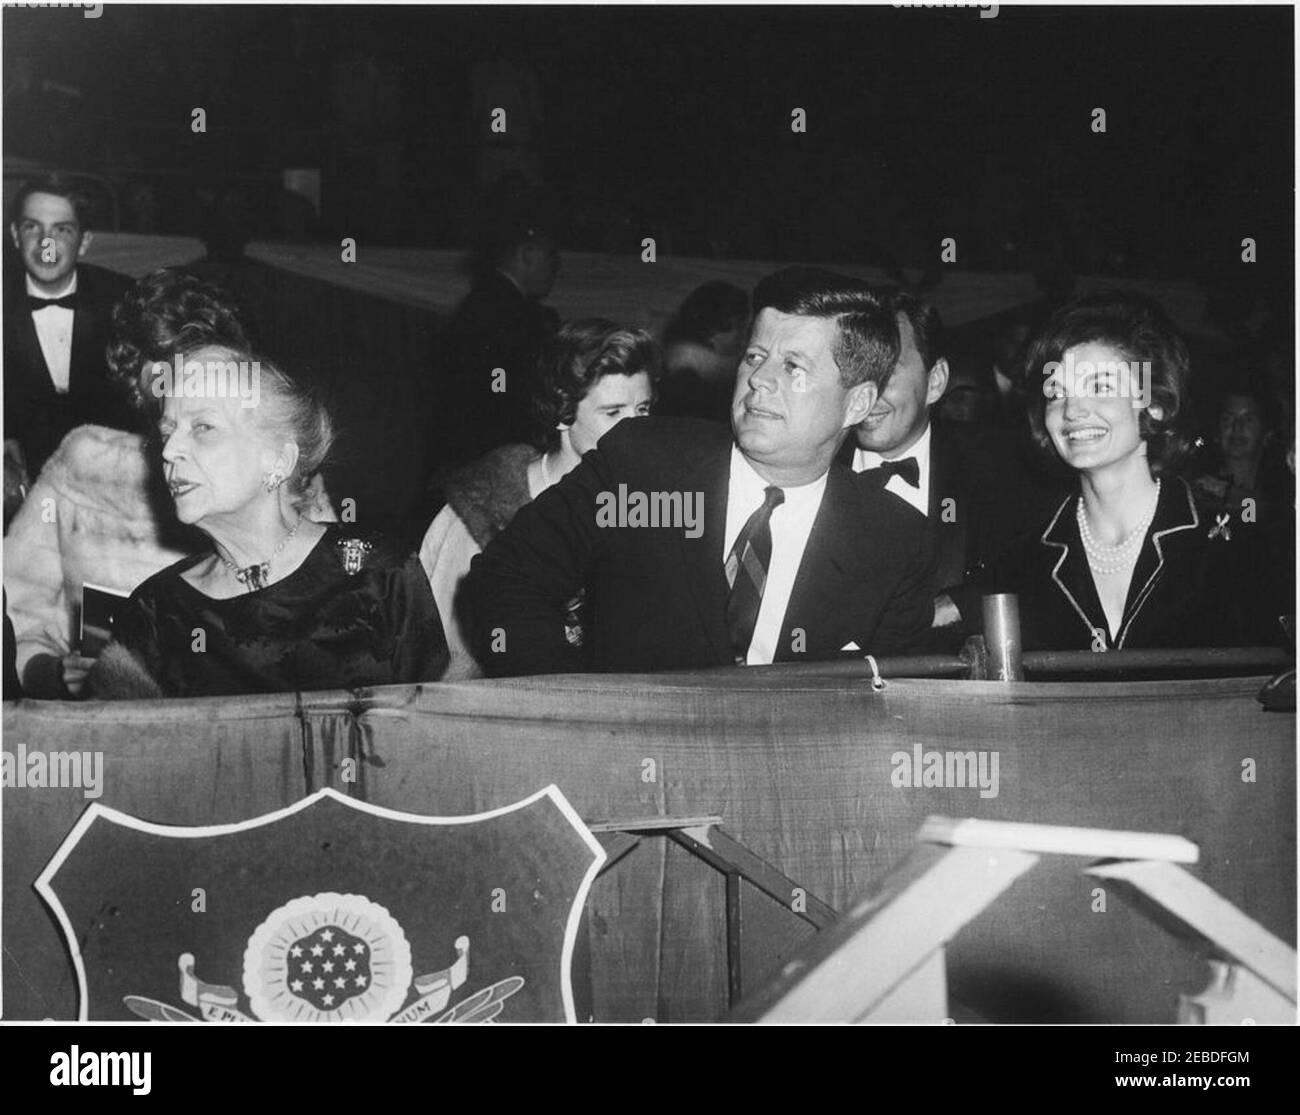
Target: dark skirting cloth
{"points": [[324, 626]]}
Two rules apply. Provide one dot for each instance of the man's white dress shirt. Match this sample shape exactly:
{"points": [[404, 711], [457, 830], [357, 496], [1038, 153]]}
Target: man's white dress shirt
{"points": [[864, 459], [791, 525], [54, 331]]}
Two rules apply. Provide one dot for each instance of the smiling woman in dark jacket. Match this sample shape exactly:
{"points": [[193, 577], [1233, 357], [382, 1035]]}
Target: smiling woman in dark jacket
{"points": [[1128, 561]]}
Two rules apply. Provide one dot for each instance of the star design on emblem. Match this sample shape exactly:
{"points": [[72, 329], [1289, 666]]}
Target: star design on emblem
{"points": [[328, 935], [318, 984], [316, 950], [296, 985], [306, 965], [338, 950], [328, 966], [350, 965], [296, 950], [327, 999], [340, 982], [360, 981], [358, 947]]}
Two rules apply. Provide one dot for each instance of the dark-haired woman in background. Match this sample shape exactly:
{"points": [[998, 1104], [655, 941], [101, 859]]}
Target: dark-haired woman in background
{"points": [[277, 602], [702, 347], [593, 375], [1129, 561], [1245, 465]]}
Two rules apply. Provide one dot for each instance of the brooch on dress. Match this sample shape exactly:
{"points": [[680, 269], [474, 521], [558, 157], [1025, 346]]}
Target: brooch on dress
{"points": [[354, 554], [1221, 528]]}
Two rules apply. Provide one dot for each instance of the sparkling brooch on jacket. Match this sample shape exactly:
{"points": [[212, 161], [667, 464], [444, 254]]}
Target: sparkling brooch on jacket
{"points": [[354, 554]]}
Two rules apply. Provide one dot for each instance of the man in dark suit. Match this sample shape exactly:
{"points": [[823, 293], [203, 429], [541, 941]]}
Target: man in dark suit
{"points": [[58, 319], [493, 340], [699, 548], [965, 482]]}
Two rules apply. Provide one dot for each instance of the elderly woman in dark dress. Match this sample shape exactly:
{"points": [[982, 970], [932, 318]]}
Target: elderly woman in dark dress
{"points": [[1129, 561], [278, 602]]}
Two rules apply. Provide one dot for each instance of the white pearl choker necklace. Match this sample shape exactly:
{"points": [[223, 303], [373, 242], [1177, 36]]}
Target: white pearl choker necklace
{"points": [[1111, 560]]}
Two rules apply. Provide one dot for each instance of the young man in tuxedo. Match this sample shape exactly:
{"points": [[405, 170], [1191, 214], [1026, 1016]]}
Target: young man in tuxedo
{"points": [[58, 319], [756, 547], [966, 484]]}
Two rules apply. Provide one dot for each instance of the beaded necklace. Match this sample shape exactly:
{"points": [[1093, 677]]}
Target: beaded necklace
{"points": [[257, 576], [1111, 560]]}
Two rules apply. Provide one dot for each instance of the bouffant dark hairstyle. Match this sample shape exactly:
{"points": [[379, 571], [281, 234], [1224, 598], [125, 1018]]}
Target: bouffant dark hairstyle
{"points": [[576, 359], [866, 348], [1139, 329], [712, 307], [166, 313]]}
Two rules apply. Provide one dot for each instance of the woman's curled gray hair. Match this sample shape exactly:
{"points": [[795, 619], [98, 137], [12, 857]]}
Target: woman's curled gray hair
{"points": [[288, 409]]}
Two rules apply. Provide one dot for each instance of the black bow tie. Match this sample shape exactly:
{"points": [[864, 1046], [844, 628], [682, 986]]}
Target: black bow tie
{"points": [[67, 302], [906, 467]]}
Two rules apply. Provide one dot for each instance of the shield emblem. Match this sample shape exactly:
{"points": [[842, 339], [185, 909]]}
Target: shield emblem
{"points": [[331, 910]]}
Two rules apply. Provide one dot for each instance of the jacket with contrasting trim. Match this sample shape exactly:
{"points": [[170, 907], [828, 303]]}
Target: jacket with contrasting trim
{"points": [[1187, 589]]}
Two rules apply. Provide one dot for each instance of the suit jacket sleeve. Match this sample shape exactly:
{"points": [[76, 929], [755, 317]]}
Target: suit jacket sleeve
{"points": [[518, 589], [1007, 572], [905, 625]]}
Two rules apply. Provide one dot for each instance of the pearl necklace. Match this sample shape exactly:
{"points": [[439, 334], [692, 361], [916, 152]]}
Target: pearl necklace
{"points": [[1111, 560], [256, 576]]}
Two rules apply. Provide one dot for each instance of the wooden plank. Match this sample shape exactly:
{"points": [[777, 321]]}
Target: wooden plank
{"points": [[735, 931], [651, 824], [1211, 916], [921, 997], [1059, 840], [726, 853], [852, 967], [616, 845]]}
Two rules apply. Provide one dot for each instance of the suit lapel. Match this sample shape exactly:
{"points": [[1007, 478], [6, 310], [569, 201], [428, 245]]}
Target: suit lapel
{"points": [[946, 482], [83, 362], [33, 366], [703, 558], [827, 572], [1174, 516], [1070, 573]]}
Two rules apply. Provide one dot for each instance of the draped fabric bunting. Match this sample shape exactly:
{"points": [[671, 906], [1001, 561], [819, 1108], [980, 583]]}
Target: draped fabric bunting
{"points": [[824, 779]]}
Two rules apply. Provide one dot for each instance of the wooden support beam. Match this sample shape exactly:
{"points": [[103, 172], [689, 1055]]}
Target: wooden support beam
{"points": [[616, 845], [728, 855], [1211, 916], [852, 968], [1060, 840]]}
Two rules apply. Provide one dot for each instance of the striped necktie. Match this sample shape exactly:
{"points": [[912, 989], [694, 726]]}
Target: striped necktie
{"points": [[747, 573]]}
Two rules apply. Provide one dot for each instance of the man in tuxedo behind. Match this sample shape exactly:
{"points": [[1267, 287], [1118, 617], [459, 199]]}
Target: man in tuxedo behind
{"points": [[697, 546], [965, 482], [57, 323]]}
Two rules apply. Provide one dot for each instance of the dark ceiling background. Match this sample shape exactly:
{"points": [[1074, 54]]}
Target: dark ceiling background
{"points": [[676, 122]]}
